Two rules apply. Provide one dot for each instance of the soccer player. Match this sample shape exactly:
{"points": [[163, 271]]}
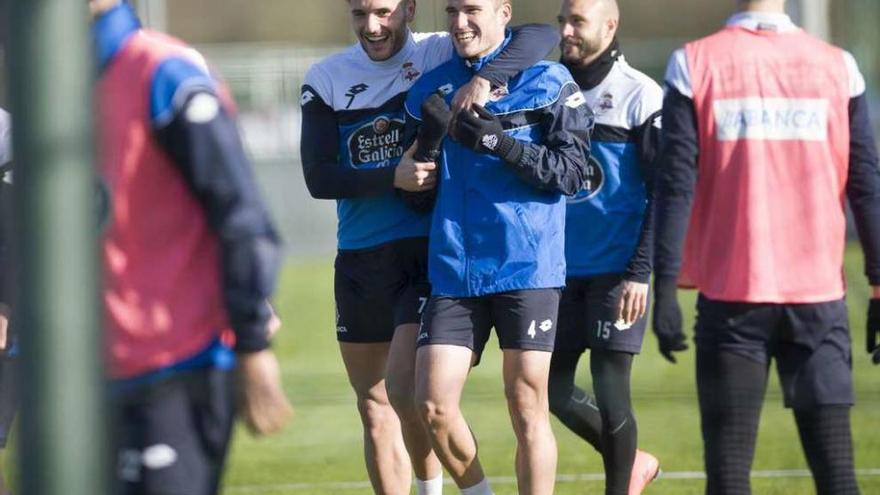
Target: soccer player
{"points": [[190, 257], [607, 245], [8, 346], [496, 246], [352, 141], [766, 132]]}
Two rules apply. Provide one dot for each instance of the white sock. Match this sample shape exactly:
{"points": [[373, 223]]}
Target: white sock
{"points": [[481, 488], [432, 486]]}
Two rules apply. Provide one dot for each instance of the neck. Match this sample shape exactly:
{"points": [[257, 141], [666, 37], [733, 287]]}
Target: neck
{"points": [[487, 51], [766, 7]]}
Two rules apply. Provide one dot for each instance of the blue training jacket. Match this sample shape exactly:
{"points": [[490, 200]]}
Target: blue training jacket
{"points": [[499, 226]]}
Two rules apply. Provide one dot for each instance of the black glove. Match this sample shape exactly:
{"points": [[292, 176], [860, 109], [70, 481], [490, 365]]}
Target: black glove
{"points": [[484, 133], [667, 322], [874, 330], [435, 122]]}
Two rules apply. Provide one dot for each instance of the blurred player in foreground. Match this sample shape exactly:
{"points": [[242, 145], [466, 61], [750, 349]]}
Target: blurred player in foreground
{"points": [[352, 141], [607, 246], [189, 259], [8, 346], [766, 133], [496, 246]]}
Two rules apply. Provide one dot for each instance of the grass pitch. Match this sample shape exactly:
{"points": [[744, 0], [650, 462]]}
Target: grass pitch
{"points": [[320, 453]]}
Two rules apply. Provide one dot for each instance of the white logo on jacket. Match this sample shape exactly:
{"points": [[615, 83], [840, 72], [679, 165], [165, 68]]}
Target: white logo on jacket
{"points": [[575, 100]]}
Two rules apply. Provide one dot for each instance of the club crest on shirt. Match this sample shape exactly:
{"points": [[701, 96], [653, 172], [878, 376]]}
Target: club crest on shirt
{"points": [[409, 72], [603, 104]]}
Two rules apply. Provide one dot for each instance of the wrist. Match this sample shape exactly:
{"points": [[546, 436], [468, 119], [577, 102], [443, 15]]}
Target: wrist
{"points": [[875, 292], [481, 81], [508, 149], [665, 285]]}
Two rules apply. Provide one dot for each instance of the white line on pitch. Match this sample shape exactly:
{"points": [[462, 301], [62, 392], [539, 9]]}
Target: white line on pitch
{"points": [[509, 480]]}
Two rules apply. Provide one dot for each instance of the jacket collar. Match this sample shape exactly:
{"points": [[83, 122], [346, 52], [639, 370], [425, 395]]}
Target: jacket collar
{"points": [[596, 71], [111, 30], [762, 21]]}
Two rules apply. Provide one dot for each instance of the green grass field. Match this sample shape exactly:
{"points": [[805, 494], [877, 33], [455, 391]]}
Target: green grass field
{"points": [[320, 452]]}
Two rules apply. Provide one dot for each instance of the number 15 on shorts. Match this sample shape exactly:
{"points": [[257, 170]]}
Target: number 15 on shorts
{"points": [[603, 329]]}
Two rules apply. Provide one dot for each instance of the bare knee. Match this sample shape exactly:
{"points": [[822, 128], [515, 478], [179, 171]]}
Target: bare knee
{"points": [[376, 412], [436, 415], [528, 407]]}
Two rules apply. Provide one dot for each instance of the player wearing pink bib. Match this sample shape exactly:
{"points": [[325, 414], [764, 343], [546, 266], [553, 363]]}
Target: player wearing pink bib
{"points": [[766, 134]]}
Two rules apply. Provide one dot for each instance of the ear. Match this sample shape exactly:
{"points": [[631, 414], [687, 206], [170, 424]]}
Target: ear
{"points": [[506, 12], [410, 10], [611, 27]]}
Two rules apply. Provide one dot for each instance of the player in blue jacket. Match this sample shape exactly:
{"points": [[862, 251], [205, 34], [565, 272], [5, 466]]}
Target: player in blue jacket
{"points": [[352, 141], [496, 254], [607, 246]]}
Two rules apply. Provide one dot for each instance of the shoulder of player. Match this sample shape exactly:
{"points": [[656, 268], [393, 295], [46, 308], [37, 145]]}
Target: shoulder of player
{"points": [[430, 82], [644, 95], [554, 80], [423, 40], [319, 77], [176, 77]]}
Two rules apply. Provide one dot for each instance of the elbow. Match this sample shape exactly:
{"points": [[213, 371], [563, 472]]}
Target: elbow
{"points": [[318, 188]]}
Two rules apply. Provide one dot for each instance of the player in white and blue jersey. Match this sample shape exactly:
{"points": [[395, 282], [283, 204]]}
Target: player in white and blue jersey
{"points": [[607, 246], [352, 142]]}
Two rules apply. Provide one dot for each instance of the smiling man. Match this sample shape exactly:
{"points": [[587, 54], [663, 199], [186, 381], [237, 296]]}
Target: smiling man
{"points": [[607, 246], [496, 246], [352, 142]]}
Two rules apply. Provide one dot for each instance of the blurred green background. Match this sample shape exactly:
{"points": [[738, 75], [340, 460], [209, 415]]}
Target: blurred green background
{"points": [[263, 48], [320, 452]]}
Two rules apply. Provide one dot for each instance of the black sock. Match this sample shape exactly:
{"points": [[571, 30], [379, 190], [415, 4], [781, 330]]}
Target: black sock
{"points": [[731, 392], [611, 382], [827, 440], [575, 408]]}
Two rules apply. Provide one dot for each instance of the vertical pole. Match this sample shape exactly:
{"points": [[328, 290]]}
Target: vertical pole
{"points": [[814, 16], [62, 441], [153, 13]]}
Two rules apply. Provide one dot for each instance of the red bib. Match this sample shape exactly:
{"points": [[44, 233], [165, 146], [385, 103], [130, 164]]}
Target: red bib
{"points": [[163, 299], [768, 222]]}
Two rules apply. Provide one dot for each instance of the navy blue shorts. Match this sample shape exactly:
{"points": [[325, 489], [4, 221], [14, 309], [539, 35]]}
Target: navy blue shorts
{"points": [[588, 317], [172, 436], [810, 343], [380, 288], [523, 319]]}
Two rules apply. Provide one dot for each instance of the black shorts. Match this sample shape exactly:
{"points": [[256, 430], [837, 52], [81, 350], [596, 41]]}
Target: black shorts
{"points": [[380, 288], [523, 319], [8, 395], [172, 436], [810, 342], [588, 317]]}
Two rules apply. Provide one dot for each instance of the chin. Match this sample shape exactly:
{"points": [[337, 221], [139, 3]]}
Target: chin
{"points": [[467, 51], [377, 55]]}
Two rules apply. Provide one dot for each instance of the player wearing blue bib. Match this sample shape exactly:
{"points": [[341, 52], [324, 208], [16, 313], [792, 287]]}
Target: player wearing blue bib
{"points": [[352, 142], [607, 241]]}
